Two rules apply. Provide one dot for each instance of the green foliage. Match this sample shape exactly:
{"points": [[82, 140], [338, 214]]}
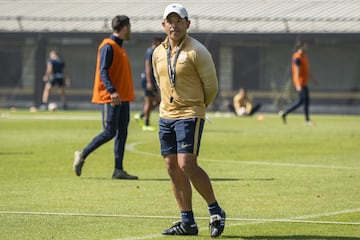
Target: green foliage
{"points": [[264, 174]]}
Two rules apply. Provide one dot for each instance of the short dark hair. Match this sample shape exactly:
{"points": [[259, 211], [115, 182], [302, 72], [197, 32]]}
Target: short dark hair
{"points": [[300, 44], [157, 39], [119, 22]]}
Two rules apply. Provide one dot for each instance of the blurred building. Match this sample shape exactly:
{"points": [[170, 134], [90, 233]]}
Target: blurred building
{"points": [[251, 43]]}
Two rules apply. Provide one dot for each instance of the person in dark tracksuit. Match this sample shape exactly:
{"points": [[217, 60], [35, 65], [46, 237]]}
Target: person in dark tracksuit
{"points": [[301, 76], [113, 91]]}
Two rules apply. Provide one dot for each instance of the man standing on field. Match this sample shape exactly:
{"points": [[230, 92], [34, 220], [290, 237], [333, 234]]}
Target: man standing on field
{"points": [[185, 72]]}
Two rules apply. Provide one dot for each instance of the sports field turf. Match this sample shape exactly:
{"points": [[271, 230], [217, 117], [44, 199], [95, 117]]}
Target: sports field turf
{"points": [[275, 181]]}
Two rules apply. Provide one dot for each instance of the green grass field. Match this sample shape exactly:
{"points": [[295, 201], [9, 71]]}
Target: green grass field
{"points": [[275, 181]]}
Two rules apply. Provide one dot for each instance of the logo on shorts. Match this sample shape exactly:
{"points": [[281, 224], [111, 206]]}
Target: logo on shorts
{"points": [[185, 145]]}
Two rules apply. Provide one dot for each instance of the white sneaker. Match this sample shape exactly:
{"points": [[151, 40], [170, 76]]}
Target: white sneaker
{"points": [[217, 224], [78, 162], [139, 119], [137, 116], [310, 123], [148, 128]]}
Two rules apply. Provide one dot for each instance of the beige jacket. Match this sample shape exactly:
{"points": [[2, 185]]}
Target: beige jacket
{"points": [[241, 101], [196, 82]]}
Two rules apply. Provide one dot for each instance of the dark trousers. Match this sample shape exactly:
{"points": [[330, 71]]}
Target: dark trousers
{"points": [[303, 99], [254, 109], [115, 121]]}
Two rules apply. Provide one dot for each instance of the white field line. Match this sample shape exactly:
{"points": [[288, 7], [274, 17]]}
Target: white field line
{"points": [[240, 221], [259, 221], [298, 219], [281, 164], [131, 147], [234, 221], [48, 117]]}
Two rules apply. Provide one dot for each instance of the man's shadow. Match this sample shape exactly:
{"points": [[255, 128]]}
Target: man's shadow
{"points": [[297, 237]]}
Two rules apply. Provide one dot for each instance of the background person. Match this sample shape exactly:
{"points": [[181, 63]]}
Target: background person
{"points": [[55, 75], [301, 75], [243, 104], [186, 75], [113, 90], [151, 95]]}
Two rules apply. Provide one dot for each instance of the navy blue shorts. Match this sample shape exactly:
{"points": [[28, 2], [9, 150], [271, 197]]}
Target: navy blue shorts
{"points": [[57, 81], [148, 93], [180, 136]]}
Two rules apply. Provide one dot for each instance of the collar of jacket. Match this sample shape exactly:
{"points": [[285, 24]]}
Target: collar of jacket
{"points": [[182, 43]]}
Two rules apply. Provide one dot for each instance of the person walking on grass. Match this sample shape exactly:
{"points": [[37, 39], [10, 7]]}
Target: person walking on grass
{"points": [[151, 94], [186, 75], [301, 75], [113, 91]]}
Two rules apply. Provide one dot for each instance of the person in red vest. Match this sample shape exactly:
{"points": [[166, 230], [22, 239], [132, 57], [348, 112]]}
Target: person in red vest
{"points": [[113, 91], [301, 75]]}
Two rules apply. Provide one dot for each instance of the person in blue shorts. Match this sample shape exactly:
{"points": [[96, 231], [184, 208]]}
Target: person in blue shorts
{"points": [[186, 75], [151, 94], [55, 75]]}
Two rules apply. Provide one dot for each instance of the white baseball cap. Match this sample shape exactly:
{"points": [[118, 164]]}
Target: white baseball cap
{"points": [[175, 8]]}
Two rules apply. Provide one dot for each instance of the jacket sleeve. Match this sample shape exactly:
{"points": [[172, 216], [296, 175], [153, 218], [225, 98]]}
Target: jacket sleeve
{"points": [[207, 73], [106, 56]]}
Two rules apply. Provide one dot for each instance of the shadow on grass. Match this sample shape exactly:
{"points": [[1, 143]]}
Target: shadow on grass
{"points": [[213, 179], [299, 237], [131, 180], [225, 130], [168, 179], [241, 179]]}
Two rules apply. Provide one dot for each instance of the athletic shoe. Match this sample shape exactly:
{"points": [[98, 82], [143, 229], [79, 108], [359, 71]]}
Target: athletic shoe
{"points": [[43, 107], [139, 119], [217, 224], [180, 228], [121, 174], [148, 128], [78, 162], [310, 123], [283, 116]]}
